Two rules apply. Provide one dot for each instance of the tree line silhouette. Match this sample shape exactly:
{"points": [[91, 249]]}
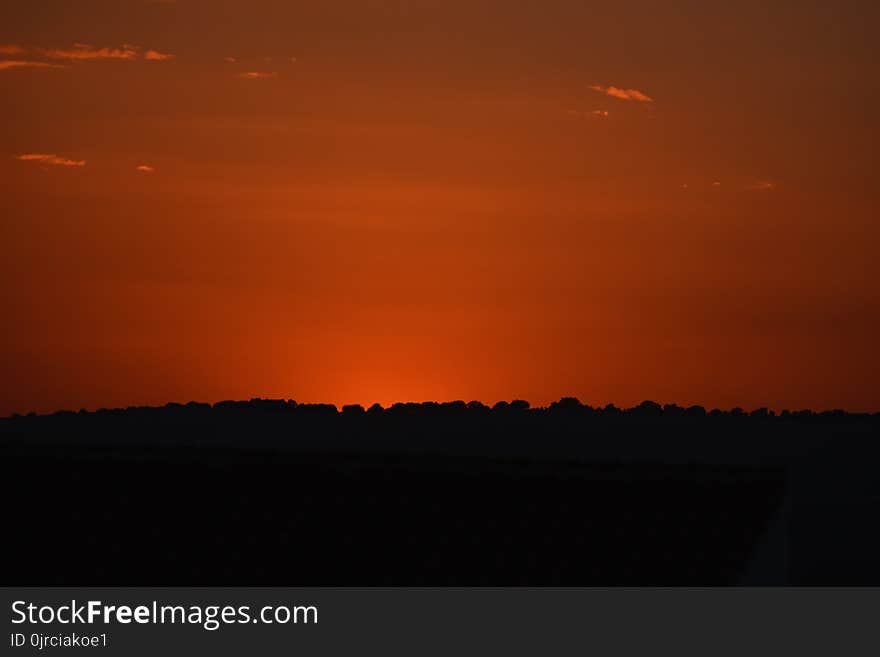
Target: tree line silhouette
{"points": [[278, 492]]}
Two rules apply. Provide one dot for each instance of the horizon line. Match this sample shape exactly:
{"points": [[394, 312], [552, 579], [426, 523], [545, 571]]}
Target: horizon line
{"points": [[569, 402]]}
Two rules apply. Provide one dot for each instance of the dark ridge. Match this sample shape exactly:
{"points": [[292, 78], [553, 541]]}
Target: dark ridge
{"points": [[565, 404], [276, 492]]}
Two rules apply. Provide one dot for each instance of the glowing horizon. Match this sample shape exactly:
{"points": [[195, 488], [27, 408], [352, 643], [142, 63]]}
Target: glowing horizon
{"points": [[344, 202]]}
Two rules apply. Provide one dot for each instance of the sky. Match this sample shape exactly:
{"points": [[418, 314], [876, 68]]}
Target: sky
{"points": [[357, 201]]}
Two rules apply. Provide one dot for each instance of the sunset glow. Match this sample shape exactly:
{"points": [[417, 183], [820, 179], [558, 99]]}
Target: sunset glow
{"points": [[374, 202]]}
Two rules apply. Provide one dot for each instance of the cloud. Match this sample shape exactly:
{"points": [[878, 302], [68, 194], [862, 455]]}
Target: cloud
{"points": [[6, 64], [623, 94], [145, 168], [258, 75], [595, 114], [231, 60], [156, 56], [83, 51], [764, 185], [50, 158], [77, 53]]}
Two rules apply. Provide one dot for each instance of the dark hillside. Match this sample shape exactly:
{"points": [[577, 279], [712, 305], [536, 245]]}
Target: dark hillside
{"points": [[274, 492]]}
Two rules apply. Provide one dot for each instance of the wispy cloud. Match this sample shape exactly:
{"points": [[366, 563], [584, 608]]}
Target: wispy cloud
{"points": [[763, 185], [623, 94], [79, 52], [145, 168], [6, 64], [590, 114], [83, 51], [156, 56], [230, 60], [50, 158], [258, 75]]}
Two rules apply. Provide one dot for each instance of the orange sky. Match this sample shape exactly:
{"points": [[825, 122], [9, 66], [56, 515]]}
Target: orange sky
{"points": [[380, 201]]}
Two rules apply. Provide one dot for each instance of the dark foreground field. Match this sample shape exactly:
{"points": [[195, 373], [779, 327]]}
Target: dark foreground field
{"points": [[271, 492]]}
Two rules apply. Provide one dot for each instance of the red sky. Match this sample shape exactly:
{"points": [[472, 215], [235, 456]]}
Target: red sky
{"points": [[381, 201]]}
